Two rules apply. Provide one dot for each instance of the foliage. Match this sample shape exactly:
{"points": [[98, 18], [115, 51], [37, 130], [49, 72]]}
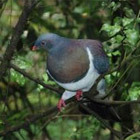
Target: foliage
{"points": [[115, 23]]}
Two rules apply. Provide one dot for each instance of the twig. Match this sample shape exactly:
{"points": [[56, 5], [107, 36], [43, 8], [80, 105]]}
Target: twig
{"points": [[136, 19], [21, 71], [53, 110], [114, 103], [28, 121], [128, 58], [32, 119], [34, 79], [39, 116], [105, 102], [116, 133]]}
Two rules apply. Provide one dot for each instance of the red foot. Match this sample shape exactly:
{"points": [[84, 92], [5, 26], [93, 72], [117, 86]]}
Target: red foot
{"points": [[79, 93], [61, 104]]}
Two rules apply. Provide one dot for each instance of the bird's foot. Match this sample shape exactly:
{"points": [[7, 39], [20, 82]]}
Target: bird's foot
{"points": [[79, 93], [61, 104]]}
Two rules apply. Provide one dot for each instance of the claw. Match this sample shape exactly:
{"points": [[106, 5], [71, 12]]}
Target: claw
{"points": [[61, 104], [79, 93]]}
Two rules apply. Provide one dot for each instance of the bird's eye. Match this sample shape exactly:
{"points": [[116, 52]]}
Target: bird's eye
{"points": [[43, 43]]}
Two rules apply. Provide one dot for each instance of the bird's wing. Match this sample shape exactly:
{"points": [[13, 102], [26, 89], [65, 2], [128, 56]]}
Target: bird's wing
{"points": [[68, 64], [100, 61]]}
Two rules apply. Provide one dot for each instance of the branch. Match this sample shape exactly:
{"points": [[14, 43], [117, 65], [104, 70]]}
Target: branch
{"points": [[54, 110], [116, 133], [33, 79], [21, 71], [87, 95], [32, 119], [126, 60], [28, 121], [112, 103], [18, 30]]}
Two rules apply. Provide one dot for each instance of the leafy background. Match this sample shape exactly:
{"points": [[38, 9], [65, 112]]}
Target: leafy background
{"points": [[115, 23]]}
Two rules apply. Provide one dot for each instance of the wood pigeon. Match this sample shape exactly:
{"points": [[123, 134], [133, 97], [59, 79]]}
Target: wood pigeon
{"points": [[74, 64]]}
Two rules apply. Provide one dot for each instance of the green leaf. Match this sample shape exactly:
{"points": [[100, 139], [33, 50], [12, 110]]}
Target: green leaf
{"points": [[106, 27], [22, 62], [134, 91], [129, 12], [135, 136], [46, 80], [78, 10], [114, 29], [119, 38], [138, 20], [118, 21], [127, 21], [132, 36], [111, 30], [116, 53], [114, 6], [17, 77]]}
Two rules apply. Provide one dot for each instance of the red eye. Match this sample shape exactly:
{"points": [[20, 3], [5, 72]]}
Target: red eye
{"points": [[43, 43]]}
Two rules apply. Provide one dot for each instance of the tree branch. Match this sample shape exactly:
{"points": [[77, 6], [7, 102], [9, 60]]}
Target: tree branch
{"points": [[116, 133], [112, 103], [54, 110], [18, 30], [34, 79], [32, 119], [105, 102], [28, 121], [21, 71]]}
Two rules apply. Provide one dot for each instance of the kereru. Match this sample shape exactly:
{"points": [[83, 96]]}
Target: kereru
{"points": [[74, 64]]}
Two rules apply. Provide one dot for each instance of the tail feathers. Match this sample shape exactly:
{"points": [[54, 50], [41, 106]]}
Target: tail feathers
{"points": [[104, 111]]}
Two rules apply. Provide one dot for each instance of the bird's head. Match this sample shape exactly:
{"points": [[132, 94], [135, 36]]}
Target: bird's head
{"points": [[46, 41]]}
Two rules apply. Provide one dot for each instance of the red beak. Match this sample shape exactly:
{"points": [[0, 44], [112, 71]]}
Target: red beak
{"points": [[34, 48]]}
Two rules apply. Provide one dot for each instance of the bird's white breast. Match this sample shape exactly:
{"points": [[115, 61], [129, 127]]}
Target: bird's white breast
{"points": [[86, 82]]}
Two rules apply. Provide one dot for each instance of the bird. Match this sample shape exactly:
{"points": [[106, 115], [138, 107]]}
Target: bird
{"points": [[74, 64]]}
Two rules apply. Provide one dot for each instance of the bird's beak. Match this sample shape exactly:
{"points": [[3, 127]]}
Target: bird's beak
{"points": [[34, 48]]}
